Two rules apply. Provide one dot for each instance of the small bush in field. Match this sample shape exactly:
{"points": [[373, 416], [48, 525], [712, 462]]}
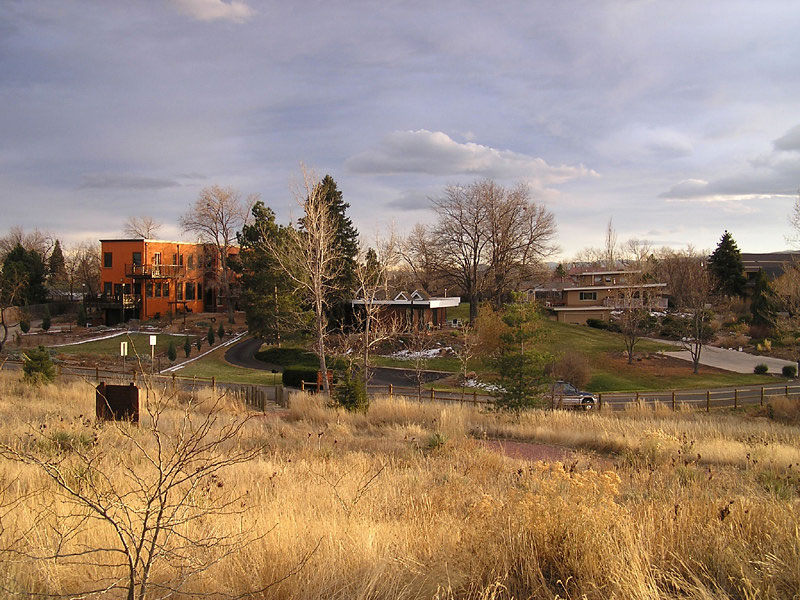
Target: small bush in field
{"points": [[789, 371], [221, 331], [25, 325], [351, 394], [761, 369], [172, 351], [38, 366], [187, 347], [210, 336]]}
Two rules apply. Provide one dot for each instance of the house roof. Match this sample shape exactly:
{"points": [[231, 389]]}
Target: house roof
{"points": [[770, 262]]}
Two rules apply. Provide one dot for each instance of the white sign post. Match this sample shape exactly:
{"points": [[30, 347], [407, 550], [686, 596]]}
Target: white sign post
{"points": [[152, 353], [123, 352]]}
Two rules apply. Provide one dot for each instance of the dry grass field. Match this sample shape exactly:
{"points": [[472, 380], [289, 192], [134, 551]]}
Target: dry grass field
{"points": [[407, 501]]}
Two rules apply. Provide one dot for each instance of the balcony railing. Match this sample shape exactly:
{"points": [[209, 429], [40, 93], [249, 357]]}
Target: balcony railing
{"points": [[127, 301], [155, 271], [621, 303]]}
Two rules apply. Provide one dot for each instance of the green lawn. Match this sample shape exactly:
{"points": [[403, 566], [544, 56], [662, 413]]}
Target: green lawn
{"points": [[214, 365], [137, 343]]}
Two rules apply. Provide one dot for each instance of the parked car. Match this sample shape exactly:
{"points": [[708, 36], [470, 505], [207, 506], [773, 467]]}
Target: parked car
{"points": [[566, 395]]}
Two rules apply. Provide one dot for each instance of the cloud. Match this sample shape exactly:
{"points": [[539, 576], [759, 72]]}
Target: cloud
{"points": [[436, 153], [216, 10], [768, 176], [125, 181], [789, 141], [412, 200]]}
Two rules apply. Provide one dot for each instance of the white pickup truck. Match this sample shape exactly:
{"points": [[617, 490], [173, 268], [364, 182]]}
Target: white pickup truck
{"points": [[566, 395]]}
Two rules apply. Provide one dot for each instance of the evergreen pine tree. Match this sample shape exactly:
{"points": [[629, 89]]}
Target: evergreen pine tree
{"points": [[26, 265], [82, 318], [47, 319], [199, 343], [210, 336], [172, 351], [726, 266], [187, 347], [56, 265], [221, 331], [38, 366], [763, 305]]}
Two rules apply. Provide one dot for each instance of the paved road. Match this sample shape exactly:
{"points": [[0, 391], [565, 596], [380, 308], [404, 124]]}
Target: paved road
{"points": [[730, 360], [243, 355]]}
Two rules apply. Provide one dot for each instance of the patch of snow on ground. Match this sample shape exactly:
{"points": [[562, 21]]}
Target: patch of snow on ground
{"points": [[409, 355], [488, 387]]}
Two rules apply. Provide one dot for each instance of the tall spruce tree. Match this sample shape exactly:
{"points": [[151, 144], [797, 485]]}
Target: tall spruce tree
{"points": [[266, 291], [726, 266], [56, 267]]}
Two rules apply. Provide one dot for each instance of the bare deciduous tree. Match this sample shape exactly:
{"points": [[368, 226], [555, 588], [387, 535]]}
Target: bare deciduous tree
{"points": [[36, 240], [692, 272], [310, 259], [487, 238], [141, 227], [11, 287], [82, 268], [634, 303], [216, 216]]}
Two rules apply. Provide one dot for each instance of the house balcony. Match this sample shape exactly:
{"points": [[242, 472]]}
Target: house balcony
{"points": [[155, 271], [118, 301]]}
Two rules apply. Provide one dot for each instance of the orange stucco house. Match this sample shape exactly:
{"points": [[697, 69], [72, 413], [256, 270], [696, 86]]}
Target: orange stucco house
{"points": [[145, 279]]}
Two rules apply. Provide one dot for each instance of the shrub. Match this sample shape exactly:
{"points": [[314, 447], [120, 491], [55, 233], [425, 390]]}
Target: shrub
{"points": [[82, 319], [187, 347], [351, 394], [199, 343], [292, 376], [572, 367], [25, 325], [761, 369], [287, 356], [789, 371], [210, 336], [38, 366], [172, 351], [597, 323], [221, 331], [46, 318]]}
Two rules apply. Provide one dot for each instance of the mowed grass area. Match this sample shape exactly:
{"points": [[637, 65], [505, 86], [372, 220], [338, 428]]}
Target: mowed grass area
{"points": [[417, 501], [215, 365], [137, 343]]}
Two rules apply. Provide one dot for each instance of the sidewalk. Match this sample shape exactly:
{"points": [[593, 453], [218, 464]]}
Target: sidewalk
{"points": [[731, 360]]}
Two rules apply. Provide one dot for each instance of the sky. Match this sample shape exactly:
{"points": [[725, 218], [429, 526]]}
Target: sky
{"points": [[677, 120]]}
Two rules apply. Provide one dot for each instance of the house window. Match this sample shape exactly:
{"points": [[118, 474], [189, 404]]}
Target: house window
{"points": [[178, 291], [137, 259], [588, 295], [106, 288], [149, 289], [190, 290], [190, 262], [174, 259], [199, 291], [165, 289], [108, 260], [157, 258], [117, 289], [158, 289], [180, 260]]}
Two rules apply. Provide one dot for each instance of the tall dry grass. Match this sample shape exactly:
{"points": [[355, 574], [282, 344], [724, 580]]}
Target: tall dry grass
{"points": [[407, 502]]}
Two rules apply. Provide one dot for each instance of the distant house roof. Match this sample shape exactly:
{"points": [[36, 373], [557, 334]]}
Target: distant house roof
{"points": [[418, 297], [769, 262]]}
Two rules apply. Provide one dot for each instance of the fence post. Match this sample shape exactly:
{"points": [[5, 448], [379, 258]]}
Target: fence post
{"points": [[787, 391], [600, 401], [134, 377], [673, 400], [762, 395], [173, 382], [214, 386], [432, 394], [637, 397], [475, 396], [302, 385], [735, 398], [391, 391], [708, 400], [97, 373]]}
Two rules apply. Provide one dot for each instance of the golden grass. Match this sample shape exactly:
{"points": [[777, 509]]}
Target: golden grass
{"points": [[404, 502]]}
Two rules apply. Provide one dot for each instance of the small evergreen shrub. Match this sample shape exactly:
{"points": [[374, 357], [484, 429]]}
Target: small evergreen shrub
{"points": [[187, 347], [172, 351], [292, 376], [82, 319], [351, 394], [25, 325], [761, 369], [38, 366], [210, 336], [789, 371], [221, 331], [47, 319], [199, 343], [597, 323]]}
